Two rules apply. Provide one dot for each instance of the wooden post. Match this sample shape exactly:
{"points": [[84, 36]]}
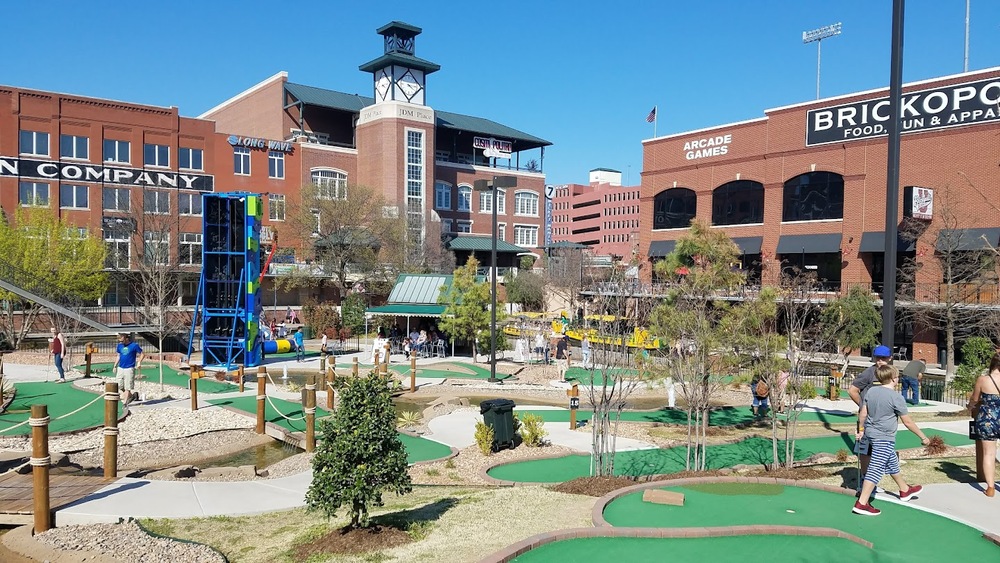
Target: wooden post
{"points": [[330, 374], [322, 362], [385, 364], [354, 370], [413, 373], [39, 422], [1, 364], [88, 352], [310, 410], [376, 358], [194, 390], [574, 393], [239, 373], [110, 430], [261, 396]]}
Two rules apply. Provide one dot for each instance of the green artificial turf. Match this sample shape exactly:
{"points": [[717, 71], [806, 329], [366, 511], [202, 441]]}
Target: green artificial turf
{"points": [[656, 461], [725, 416], [60, 398], [151, 373], [751, 504]]}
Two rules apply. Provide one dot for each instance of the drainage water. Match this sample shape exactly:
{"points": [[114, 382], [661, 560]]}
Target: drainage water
{"points": [[259, 456]]}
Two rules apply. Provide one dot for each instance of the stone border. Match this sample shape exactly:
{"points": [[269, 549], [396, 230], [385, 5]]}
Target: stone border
{"points": [[499, 482]]}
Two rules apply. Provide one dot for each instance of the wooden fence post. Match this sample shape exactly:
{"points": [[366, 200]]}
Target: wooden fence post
{"points": [[111, 430], [310, 410], [239, 373], [413, 372], [385, 365], [354, 369], [40, 461], [194, 389], [88, 353], [261, 396], [330, 374]]}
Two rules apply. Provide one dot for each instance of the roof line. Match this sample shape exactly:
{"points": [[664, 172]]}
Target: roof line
{"points": [[245, 93], [712, 128]]}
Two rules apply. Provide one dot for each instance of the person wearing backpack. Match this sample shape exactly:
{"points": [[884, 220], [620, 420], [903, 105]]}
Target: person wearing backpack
{"points": [[760, 391]]}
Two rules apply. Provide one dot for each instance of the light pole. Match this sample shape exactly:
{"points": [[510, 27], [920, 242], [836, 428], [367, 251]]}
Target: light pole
{"points": [[487, 186], [818, 35]]}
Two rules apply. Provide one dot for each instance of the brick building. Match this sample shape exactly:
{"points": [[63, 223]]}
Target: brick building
{"points": [[805, 187], [603, 214]]}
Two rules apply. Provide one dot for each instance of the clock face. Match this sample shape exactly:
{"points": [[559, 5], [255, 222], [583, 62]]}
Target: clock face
{"points": [[408, 84], [382, 83]]}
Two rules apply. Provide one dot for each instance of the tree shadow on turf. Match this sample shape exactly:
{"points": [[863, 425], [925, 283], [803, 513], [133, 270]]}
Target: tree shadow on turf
{"points": [[957, 472], [415, 517]]}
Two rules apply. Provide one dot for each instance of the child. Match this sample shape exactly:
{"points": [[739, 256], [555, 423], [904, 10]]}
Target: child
{"points": [[879, 410], [300, 348]]}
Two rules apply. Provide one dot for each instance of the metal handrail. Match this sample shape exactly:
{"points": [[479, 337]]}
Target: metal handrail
{"points": [[22, 279]]}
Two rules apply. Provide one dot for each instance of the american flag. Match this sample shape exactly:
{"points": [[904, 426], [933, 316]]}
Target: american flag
{"points": [[652, 115]]}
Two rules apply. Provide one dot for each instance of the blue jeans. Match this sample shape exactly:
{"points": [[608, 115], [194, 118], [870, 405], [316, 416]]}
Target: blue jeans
{"points": [[59, 367], [912, 384]]}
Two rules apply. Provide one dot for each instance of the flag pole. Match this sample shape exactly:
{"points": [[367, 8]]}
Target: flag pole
{"points": [[656, 117]]}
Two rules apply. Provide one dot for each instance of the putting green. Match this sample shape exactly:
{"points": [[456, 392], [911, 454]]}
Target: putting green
{"points": [[738, 504], [434, 371], [726, 416], [417, 449], [657, 461], [151, 373], [61, 399]]}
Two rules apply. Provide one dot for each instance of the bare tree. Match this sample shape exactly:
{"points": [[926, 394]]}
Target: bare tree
{"points": [[566, 275]]}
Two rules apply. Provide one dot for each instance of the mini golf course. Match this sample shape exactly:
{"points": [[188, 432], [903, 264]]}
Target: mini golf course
{"points": [[747, 504], [276, 410], [60, 399], [150, 373], [725, 416], [435, 371], [660, 461]]}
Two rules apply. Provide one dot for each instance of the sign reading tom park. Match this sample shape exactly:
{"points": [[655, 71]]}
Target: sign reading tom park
{"points": [[94, 173], [957, 105]]}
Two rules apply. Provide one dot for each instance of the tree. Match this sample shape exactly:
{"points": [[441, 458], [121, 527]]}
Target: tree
{"points": [[467, 306], [853, 322], [43, 254], [976, 355], [351, 234], [690, 318], [359, 455], [527, 289], [352, 312], [565, 275]]}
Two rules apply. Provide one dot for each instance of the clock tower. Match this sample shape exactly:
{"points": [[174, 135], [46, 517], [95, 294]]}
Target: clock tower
{"points": [[399, 76]]}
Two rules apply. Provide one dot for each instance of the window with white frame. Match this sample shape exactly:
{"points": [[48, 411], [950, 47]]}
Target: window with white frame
{"points": [[156, 248], [501, 230], [465, 198], [319, 221], [486, 202], [34, 143], [445, 226], [415, 187], [116, 199], [33, 194], [526, 235], [330, 183], [118, 243], [189, 203], [157, 202], [526, 203], [189, 249], [464, 227], [156, 155], [442, 195], [117, 151], [501, 202], [241, 161], [74, 197], [276, 165], [73, 146], [276, 207], [191, 159]]}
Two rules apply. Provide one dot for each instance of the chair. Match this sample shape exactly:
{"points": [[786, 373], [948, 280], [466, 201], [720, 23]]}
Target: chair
{"points": [[900, 353], [440, 349]]}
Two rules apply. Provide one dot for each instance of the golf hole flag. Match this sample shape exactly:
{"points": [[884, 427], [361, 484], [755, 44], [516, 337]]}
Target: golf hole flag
{"points": [[652, 115]]}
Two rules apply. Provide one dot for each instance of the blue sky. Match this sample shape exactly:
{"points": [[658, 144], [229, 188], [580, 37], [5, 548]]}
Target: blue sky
{"points": [[582, 74]]}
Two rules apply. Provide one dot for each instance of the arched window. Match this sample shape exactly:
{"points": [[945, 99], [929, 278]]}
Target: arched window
{"points": [[442, 195], [526, 203], [330, 183], [813, 196], [674, 208], [738, 203], [465, 198]]}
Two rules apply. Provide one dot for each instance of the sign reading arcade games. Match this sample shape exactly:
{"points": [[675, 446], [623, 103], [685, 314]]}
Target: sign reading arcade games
{"points": [[969, 103]]}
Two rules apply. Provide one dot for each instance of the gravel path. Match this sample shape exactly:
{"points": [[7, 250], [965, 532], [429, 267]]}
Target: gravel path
{"points": [[128, 542]]}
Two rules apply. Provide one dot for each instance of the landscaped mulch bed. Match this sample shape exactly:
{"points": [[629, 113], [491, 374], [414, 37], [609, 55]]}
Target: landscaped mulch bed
{"points": [[353, 540]]}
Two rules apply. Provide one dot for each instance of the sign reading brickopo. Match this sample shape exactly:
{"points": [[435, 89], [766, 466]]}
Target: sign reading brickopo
{"points": [[970, 103]]}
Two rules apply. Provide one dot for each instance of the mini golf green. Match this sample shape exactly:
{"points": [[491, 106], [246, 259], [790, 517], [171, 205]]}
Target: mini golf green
{"points": [[725, 416], [61, 398], [434, 371], [738, 504], [417, 449], [151, 374], [657, 461]]}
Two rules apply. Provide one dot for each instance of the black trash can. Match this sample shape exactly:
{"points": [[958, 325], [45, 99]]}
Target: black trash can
{"points": [[498, 414]]}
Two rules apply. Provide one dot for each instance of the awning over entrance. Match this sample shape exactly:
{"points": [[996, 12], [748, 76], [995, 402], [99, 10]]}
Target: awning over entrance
{"points": [[874, 241], [660, 248], [749, 245], [967, 239], [809, 244], [408, 310]]}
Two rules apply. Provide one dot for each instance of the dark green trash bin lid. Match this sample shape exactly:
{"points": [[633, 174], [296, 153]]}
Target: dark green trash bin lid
{"points": [[496, 405]]}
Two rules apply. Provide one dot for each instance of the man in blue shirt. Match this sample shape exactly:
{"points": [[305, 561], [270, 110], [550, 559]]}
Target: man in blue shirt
{"points": [[129, 361], [300, 349]]}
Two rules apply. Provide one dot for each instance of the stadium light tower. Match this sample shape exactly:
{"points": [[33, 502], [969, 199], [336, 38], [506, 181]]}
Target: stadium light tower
{"points": [[818, 35]]}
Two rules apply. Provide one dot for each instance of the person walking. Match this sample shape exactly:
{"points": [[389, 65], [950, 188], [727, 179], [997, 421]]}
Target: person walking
{"points": [[760, 392], [911, 377], [882, 356], [985, 407], [300, 347], [58, 348], [585, 350], [129, 361], [562, 356]]}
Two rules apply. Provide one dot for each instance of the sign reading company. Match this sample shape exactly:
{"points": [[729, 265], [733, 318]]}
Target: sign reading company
{"points": [[261, 144], [709, 146], [957, 105], [497, 147], [74, 172]]}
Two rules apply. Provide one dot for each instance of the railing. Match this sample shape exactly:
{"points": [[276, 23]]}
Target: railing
{"points": [[38, 286], [502, 273], [440, 159]]}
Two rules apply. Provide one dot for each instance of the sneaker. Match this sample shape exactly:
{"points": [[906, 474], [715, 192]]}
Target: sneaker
{"points": [[60, 381], [910, 493], [865, 509]]}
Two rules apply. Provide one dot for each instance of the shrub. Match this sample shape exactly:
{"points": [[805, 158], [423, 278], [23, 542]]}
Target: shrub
{"points": [[484, 438], [450, 464], [936, 446], [807, 390], [532, 431], [408, 418], [976, 354], [843, 455], [320, 316], [352, 310]]}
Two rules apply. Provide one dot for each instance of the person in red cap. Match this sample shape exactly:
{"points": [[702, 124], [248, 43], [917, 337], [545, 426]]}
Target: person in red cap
{"points": [[882, 356]]}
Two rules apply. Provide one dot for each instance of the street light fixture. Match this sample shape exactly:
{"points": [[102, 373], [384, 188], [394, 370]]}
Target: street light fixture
{"points": [[492, 186], [818, 35]]}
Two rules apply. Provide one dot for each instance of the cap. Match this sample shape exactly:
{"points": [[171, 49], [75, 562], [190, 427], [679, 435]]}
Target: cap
{"points": [[882, 352]]}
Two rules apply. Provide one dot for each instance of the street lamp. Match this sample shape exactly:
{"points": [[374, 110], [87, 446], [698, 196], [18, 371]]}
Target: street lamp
{"points": [[818, 35], [492, 186]]}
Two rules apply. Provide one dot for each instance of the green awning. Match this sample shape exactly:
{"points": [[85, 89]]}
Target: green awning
{"points": [[473, 243], [407, 310]]}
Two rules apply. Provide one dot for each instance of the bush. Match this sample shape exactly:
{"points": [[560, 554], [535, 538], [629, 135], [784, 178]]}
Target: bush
{"points": [[352, 312], [843, 455], [408, 418], [484, 438], [532, 431], [976, 354], [483, 342], [807, 390], [320, 316], [935, 446]]}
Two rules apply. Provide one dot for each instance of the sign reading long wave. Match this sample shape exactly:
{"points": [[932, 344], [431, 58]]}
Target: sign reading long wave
{"points": [[81, 172], [957, 105]]}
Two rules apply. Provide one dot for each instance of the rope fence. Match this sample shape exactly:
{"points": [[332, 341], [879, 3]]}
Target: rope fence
{"points": [[18, 425]]}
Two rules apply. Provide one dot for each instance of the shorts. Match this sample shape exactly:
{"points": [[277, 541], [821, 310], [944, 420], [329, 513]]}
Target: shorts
{"points": [[759, 401], [126, 379], [884, 460], [563, 365]]}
